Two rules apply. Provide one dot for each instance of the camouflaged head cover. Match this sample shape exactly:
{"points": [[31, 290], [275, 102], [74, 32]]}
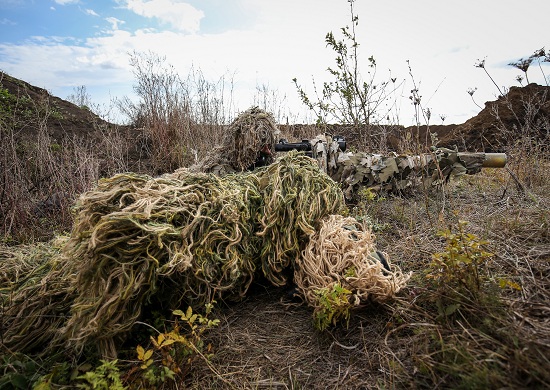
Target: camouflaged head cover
{"points": [[251, 132]]}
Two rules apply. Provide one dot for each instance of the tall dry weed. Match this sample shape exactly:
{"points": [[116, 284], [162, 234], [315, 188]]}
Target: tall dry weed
{"points": [[182, 119], [526, 136], [41, 176]]}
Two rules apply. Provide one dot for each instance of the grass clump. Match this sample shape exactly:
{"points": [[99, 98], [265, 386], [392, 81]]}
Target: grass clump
{"points": [[466, 308]]}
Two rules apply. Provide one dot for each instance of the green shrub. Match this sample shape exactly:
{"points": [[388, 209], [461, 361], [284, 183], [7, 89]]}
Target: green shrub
{"points": [[459, 267]]}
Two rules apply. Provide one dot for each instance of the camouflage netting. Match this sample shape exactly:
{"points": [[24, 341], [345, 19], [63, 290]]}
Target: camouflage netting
{"points": [[252, 131]]}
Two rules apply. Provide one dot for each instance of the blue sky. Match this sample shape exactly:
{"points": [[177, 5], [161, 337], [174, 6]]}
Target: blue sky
{"points": [[62, 44]]}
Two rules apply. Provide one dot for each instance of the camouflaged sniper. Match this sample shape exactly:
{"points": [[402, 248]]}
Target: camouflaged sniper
{"points": [[249, 143], [396, 172]]}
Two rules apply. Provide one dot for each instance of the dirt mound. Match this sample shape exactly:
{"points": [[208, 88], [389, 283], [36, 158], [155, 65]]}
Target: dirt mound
{"points": [[28, 111], [522, 112], [61, 117]]}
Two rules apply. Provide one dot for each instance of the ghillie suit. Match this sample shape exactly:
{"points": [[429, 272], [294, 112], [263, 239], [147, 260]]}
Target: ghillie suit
{"points": [[190, 237], [248, 142]]}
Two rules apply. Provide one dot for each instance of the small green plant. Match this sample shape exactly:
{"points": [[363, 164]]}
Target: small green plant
{"points": [[334, 306], [459, 266], [5, 97], [55, 147], [106, 376], [62, 374], [369, 195], [55, 114], [16, 372], [368, 205], [171, 353], [7, 102]]}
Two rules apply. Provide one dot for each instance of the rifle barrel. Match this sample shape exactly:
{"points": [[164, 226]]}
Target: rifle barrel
{"points": [[287, 146], [490, 160], [495, 160]]}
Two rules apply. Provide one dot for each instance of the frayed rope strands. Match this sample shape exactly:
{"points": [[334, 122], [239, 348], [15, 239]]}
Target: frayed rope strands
{"points": [[173, 238], [250, 132], [297, 195], [342, 253]]}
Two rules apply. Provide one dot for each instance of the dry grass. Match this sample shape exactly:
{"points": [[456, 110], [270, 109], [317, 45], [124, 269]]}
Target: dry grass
{"points": [[51, 153], [268, 341]]}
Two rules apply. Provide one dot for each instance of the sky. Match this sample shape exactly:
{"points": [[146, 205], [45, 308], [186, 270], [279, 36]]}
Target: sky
{"points": [[430, 45]]}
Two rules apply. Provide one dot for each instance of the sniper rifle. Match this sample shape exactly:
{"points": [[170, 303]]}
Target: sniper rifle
{"points": [[392, 172]]}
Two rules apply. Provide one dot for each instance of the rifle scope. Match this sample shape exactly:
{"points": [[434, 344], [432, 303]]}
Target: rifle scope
{"points": [[305, 145]]}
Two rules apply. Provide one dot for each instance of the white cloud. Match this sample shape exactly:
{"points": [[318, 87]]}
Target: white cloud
{"points": [[91, 12], [7, 22], [56, 66], [65, 2], [51, 40], [181, 16], [114, 22]]}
